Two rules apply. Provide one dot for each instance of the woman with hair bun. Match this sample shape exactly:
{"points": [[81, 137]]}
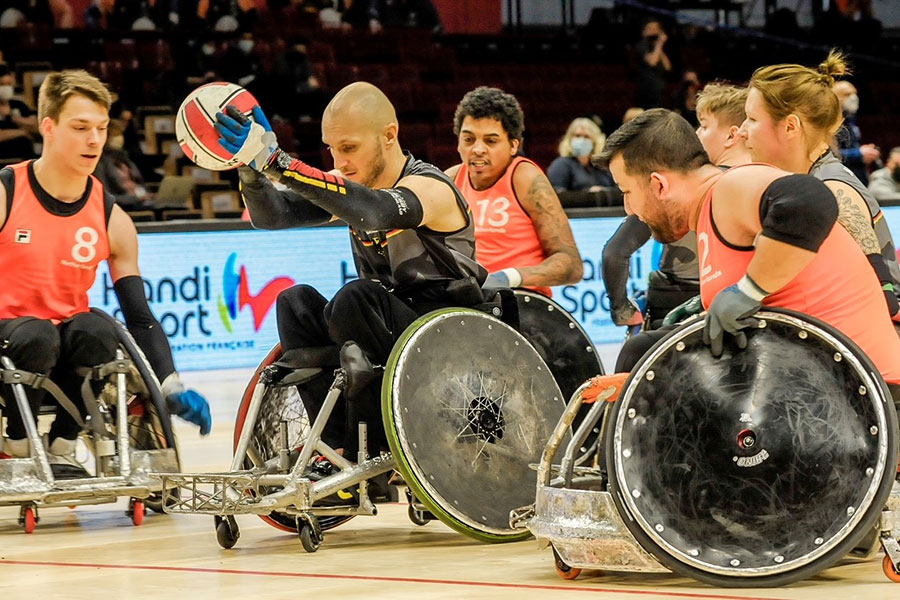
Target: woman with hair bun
{"points": [[793, 115]]}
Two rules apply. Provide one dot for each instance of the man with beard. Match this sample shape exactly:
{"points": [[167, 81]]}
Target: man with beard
{"points": [[412, 237], [765, 237]]}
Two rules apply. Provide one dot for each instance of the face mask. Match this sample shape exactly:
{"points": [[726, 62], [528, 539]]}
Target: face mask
{"points": [[6, 92], [851, 104], [895, 174], [245, 45], [582, 147], [208, 49]]}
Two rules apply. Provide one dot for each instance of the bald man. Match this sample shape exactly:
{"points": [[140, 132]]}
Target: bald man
{"points": [[412, 238]]}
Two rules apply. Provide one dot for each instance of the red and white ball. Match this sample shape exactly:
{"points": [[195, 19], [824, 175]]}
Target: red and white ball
{"points": [[196, 117]]}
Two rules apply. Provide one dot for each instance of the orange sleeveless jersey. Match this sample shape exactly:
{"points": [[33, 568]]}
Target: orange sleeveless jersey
{"points": [[49, 261], [838, 287], [504, 234]]}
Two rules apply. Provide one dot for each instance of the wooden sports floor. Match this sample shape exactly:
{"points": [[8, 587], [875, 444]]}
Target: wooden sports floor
{"points": [[96, 553]]}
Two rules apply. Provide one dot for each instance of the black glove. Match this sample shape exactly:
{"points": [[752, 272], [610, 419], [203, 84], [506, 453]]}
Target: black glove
{"points": [[730, 311], [887, 282]]}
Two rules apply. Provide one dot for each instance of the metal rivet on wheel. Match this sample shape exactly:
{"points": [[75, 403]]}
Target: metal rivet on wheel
{"points": [[631, 413], [438, 329], [539, 368], [838, 357], [803, 335], [517, 342], [650, 375], [659, 528], [862, 390], [461, 322], [850, 511], [819, 541], [414, 445], [870, 471], [779, 559], [636, 493], [484, 518], [571, 325], [735, 562], [431, 477], [694, 552], [490, 326], [496, 311], [406, 410], [555, 398], [582, 449], [527, 299], [873, 430], [589, 348], [679, 346], [418, 349], [626, 452], [456, 502], [761, 324]]}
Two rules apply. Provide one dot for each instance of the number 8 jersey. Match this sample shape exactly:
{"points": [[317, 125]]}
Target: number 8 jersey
{"points": [[49, 250]]}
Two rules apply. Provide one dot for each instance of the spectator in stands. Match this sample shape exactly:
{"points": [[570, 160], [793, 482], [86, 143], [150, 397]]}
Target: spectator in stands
{"points": [[653, 66], [859, 158], [228, 15], [686, 97], [239, 63], [119, 175], [294, 89], [522, 235], [57, 13], [885, 183], [378, 14], [18, 123], [572, 169], [631, 113]]}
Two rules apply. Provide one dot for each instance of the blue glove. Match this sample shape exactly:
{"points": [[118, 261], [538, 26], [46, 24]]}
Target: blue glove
{"points": [[252, 142], [187, 404], [507, 278], [730, 312], [684, 310]]}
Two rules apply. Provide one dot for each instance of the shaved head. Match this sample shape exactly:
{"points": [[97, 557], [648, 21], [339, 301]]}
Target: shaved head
{"points": [[361, 106]]}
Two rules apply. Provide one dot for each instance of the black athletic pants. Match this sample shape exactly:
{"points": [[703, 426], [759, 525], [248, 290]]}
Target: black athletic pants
{"points": [[361, 311], [85, 340]]}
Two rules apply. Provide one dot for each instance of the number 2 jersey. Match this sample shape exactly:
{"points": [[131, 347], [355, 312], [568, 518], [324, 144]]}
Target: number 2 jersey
{"points": [[504, 233], [49, 250]]}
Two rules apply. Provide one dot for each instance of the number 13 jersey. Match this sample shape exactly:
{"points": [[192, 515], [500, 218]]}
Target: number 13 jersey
{"points": [[49, 250], [504, 234]]}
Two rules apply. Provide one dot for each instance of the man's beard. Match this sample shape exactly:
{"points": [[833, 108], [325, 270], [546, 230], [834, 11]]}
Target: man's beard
{"points": [[377, 168], [664, 232]]}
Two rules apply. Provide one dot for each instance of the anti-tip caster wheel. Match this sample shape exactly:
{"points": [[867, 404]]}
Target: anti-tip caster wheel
{"points": [[311, 535], [888, 565], [136, 511], [28, 518], [227, 531], [564, 570]]}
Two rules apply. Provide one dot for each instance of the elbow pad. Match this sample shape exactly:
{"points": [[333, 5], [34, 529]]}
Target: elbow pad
{"points": [[798, 210]]}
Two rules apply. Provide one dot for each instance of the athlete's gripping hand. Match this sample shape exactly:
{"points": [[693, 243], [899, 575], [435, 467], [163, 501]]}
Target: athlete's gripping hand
{"points": [[684, 310], [187, 404], [731, 311], [629, 314], [252, 142]]}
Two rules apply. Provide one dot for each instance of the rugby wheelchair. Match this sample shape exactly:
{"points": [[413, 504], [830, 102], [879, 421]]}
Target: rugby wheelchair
{"points": [[127, 430], [469, 398], [761, 468]]}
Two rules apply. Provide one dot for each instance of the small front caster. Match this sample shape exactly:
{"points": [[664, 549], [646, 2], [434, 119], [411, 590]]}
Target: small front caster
{"points": [[227, 531], [310, 532], [564, 570], [136, 511], [28, 518]]}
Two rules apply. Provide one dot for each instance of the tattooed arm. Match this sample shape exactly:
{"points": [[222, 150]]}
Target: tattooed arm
{"points": [[853, 215], [562, 264]]}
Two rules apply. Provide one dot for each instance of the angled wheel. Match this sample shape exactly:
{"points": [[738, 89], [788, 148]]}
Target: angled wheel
{"points": [[468, 405], [760, 468], [310, 532], [566, 348], [280, 403]]}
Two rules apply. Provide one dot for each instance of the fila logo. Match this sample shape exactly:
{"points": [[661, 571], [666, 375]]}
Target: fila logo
{"points": [[23, 236]]}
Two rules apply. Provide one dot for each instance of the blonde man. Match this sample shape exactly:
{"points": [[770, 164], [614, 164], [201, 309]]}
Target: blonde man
{"points": [[57, 224], [720, 111]]}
